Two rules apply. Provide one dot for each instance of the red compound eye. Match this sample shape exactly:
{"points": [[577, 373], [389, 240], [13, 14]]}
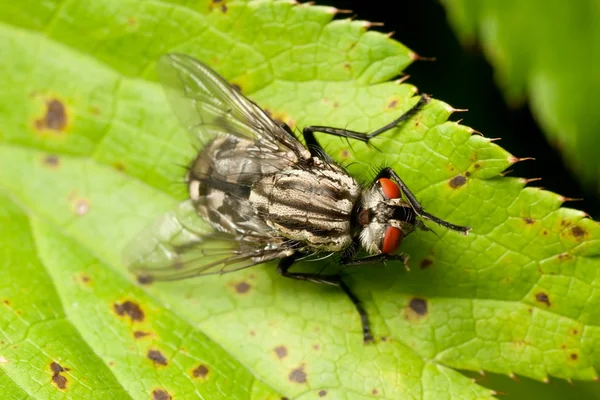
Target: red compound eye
{"points": [[391, 240], [390, 189]]}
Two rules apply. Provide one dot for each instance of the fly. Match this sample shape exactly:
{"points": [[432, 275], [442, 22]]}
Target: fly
{"points": [[265, 196]]}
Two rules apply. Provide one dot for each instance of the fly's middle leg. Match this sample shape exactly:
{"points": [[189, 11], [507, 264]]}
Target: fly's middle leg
{"points": [[333, 280]]}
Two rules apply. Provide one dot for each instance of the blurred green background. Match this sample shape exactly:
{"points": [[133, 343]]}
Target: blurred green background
{"points": [[462, 76]]}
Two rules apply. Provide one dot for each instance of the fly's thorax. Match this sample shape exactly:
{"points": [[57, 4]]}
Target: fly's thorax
{"points": [[383, 221], [311, 203]]}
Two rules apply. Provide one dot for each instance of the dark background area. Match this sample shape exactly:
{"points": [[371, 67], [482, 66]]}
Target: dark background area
{"points": [[464, 79]]}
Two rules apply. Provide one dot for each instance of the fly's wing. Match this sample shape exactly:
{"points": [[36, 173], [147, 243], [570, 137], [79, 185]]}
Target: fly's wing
{"points": [[181, 245], [207, 105]]}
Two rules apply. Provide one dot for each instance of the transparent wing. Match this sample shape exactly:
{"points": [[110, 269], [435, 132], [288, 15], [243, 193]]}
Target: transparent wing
{"points": [[207, 105], [182, 245]]}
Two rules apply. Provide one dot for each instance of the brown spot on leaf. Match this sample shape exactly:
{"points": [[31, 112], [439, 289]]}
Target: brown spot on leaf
{"points": [[52, 161], [467, 174], [59, 380], [419, 306], [201, 371], [426, 263], [345, 153], [6, 301], [574, 356], [322, 393], [457, 181], [132, 21], [252, 333], [375, 392], [55, 117], [392, 104], [157, 357], [528, 221], [564, 256], [316, 347], [298, 375], [543, 298], [347, 65], [82, 278], [574, 331], [119, 166], [281, 351], [545, 232], [577, 232], [218, 5], [476, 165], [131, 309], [160, 394], [242, 287], [140, 334]]}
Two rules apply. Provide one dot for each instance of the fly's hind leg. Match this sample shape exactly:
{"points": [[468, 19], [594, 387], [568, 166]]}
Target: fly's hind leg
{"points": [[333, 280], [315, 148]]}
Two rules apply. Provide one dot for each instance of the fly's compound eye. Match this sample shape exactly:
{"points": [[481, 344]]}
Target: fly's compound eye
{"points": [[390, 189], [391, 240]]}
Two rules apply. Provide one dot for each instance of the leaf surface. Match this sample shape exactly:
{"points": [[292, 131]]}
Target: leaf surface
{"points": [[90, 155]]}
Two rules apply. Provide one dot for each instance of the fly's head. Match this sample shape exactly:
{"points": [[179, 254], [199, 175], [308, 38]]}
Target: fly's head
{"points": [[384, 218]]}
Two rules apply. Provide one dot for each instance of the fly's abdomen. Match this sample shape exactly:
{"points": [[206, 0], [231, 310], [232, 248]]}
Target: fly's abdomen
{"points": [[312, 206]]}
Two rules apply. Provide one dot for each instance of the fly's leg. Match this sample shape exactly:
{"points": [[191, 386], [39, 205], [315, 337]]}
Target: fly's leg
{"points": [[314, 146], [414, 203], [333, 280], [377, 258]]}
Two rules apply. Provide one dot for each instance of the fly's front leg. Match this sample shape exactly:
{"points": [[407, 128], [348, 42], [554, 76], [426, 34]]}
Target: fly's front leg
{"points": [[333, 280], [414, 203], [309, 131]]}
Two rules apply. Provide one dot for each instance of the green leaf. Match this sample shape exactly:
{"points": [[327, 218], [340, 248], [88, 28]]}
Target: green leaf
{"points": [[547, 52], [89, 155]]}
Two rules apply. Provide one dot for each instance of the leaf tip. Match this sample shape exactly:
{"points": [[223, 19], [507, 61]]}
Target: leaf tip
{"points": [[369, 24], [416, 57], [335, 11], [564, 199], [451, 109], [526, 181], [514, 160]]}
